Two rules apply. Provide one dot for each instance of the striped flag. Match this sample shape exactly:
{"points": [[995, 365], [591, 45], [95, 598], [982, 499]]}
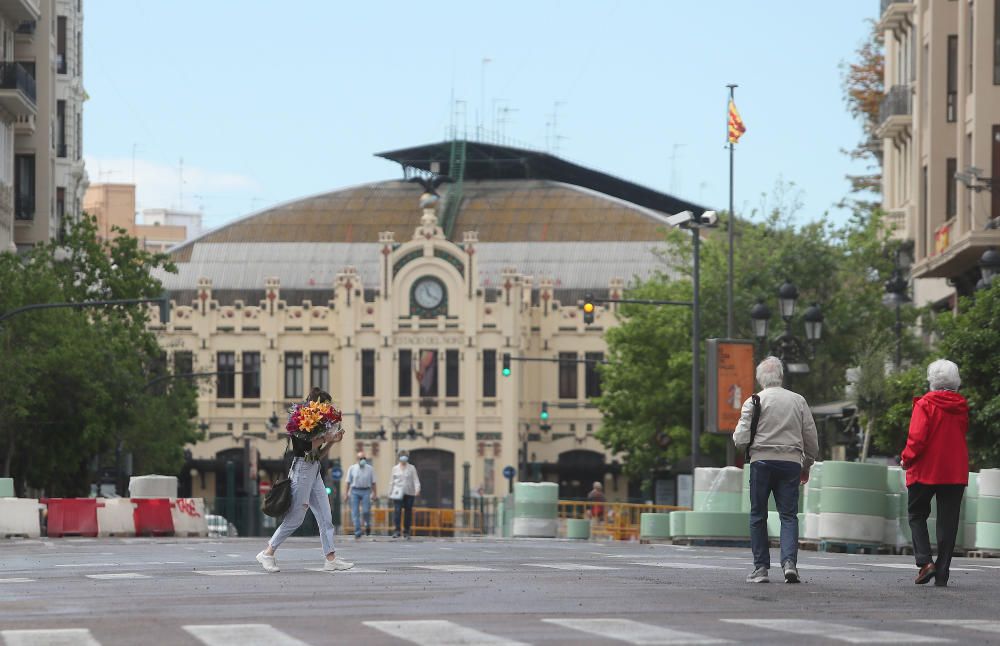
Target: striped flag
{"points": [[736, 127]]}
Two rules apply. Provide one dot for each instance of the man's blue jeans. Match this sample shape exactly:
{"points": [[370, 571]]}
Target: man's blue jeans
{"points": [[361, 498], [781, 478]]}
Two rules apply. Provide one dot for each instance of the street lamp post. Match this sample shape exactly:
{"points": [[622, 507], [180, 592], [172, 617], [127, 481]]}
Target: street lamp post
{"points": [[396, 421], [787, 346], [895, 296], [989, 265]]}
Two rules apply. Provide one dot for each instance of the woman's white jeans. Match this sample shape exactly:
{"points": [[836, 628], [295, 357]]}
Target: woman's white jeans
{"points": [[308, 490]]}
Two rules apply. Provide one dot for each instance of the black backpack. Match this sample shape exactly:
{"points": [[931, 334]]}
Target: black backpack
{"points": [[279, 498]]}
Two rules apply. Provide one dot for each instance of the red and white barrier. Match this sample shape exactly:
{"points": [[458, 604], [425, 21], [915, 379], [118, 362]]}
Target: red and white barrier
{"points": [[115, 517], [19, 517], [188, 516], [71, 516]]}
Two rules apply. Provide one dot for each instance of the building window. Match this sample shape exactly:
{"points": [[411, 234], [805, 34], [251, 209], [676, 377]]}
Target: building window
{"points": [[951, 107], [367, 373], [60, 203], [427, 376], [591, 376], [293, 375], [924, 229], [319, 370], [489, 373], [950, 191], [971, 40], [183, 362], [995, 193], [61, 44], [24, 187], [405, 374], [451, 373], [60, 128], [251, 375], [79, 54], [226, 379], [567, 375], [79, 135]]}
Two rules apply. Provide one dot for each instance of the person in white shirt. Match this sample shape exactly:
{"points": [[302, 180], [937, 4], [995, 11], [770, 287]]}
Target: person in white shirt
{"points": [[360, 492], [403, 490]]}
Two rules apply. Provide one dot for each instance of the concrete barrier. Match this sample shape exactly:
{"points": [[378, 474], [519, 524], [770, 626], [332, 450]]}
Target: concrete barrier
{"points": [[718, 489], [677, 523], [654, 525], [115, 517], [188, 516], [71, 517], [536, 505], [6, 487], [152, 486], [19, 517], [854, 502], [578, 528]]}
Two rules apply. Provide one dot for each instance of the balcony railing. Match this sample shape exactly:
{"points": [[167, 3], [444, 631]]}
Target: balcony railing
{"points": [[61, 150], [895, 103], [886, 3], [14, 76], [24, 207]]}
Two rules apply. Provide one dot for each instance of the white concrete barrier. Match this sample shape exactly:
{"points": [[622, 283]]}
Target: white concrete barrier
{"points": [[19, 517], [152, 486], [188, 515], [115, 517]]}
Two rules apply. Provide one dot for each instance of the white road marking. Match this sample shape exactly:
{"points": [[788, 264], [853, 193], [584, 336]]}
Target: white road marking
{"points": [[229, 573], [687, 566], [810, 566], [235, 556], [243, 634], [904, 566], [87, 565], [634, 632], [839, 632], [119, 575], [54, 637], [353, 570], [435, 632], [17, 580], [571, 566], [982, 625], [456, 568]]}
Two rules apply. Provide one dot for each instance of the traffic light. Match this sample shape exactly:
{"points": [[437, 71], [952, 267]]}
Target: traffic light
{"points": [[588, 308], [506, 364], [544, 415], [329, 490]]}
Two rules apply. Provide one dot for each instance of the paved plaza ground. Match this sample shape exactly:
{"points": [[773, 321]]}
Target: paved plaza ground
{"points": [[120, 591]]}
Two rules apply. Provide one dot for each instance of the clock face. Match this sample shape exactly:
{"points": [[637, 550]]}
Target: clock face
{"points": [[428, 293]]}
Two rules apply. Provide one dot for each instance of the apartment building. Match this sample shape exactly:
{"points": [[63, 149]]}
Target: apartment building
{"points": [[42, 176], [940, 131], [113, 205]]}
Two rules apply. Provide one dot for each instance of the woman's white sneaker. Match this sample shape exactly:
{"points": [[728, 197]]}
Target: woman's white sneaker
{"points": [[336, 565], [269, 563]]}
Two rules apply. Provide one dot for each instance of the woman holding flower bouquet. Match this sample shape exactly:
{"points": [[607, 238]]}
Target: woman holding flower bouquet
{"points": [[313, 427]]}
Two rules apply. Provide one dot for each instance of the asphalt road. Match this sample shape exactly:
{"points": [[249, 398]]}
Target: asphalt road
{"points": [[437, 591]]}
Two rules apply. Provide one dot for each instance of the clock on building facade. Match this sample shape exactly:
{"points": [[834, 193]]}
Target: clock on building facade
{"points": [[428, 298]]}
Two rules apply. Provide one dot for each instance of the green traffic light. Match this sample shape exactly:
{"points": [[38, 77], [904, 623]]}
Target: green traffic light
{"points": [[506, 372], [329, 491], [544, 415]]}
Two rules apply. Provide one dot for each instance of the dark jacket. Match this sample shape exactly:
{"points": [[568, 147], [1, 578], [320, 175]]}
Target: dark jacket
{"points": [[936, 451]]}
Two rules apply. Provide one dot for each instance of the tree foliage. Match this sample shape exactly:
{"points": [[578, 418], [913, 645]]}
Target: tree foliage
{"points": [[73, 391], [647, 386], [864, 90]]}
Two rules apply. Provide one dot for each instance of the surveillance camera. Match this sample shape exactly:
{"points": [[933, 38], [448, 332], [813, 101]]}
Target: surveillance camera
{"points": [[709, 218], [679, 219]]}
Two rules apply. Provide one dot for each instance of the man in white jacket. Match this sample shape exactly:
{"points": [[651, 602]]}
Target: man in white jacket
{"points": [[782, 450], [403, 490]]}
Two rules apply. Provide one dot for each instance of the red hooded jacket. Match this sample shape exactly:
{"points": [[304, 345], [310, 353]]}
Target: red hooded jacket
{"points": [[936, 452]]}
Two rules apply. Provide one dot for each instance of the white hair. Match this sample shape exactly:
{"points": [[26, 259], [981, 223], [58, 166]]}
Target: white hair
{"points": [[770, 372], [943, 375]]}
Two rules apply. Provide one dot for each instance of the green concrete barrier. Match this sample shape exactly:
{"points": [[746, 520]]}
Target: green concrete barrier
{"points": [[677, 523], [987, 536], [719, 524], [841, 500], [6, 487], [987, 509], [654, 525], [855, 475], [535, 509], [578, 528], [718, 501]]}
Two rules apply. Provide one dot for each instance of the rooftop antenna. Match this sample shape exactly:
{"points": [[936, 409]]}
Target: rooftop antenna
{"points": [[482, 97], [555, 125], [673, 167], [502, 122]]}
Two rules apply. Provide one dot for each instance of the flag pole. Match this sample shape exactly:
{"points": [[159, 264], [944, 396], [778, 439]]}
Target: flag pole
{"points": [[729, 283]]}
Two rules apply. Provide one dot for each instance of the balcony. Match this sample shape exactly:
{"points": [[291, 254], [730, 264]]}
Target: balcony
{"points": [[17, 89], [895, 14], [21, 10], [24, 124], [955, 255], [895, 115]]}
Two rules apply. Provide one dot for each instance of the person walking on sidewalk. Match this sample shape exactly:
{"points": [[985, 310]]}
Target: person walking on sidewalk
{"points": [[936, 461], [403, 490], [308, 492], [781, 449], [360, 492]]}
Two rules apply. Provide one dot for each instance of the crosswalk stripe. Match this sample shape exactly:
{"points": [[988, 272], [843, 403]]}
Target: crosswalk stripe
{"points": [[119, 575], [435, 632], [242, 634], [982, 625], [17, 580], [686, 566], [840, 632], [634, 632], [905, 566], [456, 568], [571, 566], [229, 572], [54, 637], [353, 570]]}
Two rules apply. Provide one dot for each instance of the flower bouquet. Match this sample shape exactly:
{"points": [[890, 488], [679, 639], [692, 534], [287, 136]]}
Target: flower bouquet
{"points": [[310, 420]]}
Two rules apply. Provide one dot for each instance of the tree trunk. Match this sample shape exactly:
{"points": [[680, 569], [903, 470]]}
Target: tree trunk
{"points": [[869, 427]]}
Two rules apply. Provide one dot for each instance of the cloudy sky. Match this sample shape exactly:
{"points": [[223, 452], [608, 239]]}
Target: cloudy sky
{"points": [[231, 106]]}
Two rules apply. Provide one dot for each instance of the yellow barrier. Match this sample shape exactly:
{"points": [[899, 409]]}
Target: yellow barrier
{"points": [[427, 521], [615, 520]]}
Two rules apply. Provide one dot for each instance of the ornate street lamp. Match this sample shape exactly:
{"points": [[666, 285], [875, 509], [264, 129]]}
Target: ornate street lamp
{"points": [[787, 295], [787, 347], [760, 316], [989, 265], [814, 323]]}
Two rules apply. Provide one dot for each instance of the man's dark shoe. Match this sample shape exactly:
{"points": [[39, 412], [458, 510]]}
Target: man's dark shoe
{"points": [[925, 574], [790, 571], [368, 531]]}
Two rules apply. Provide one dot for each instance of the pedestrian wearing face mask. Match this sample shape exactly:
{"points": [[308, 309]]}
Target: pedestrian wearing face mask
{"points": [[403, 490], [360, 492]]}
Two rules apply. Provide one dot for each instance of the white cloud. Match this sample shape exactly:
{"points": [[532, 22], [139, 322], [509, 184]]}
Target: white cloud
{"points": [[157, 185]]}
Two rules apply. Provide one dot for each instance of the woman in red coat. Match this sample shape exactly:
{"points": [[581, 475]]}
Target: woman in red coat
{"points": [[936, 460]]}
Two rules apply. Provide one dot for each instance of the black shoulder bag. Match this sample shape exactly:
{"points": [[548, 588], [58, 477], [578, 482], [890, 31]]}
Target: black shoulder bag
{"points": [[279, 498], [753, 424]]}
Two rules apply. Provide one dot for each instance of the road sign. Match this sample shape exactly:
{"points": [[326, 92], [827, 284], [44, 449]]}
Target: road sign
{"points": [[509, 472], [263, 487], [336, 473]]}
